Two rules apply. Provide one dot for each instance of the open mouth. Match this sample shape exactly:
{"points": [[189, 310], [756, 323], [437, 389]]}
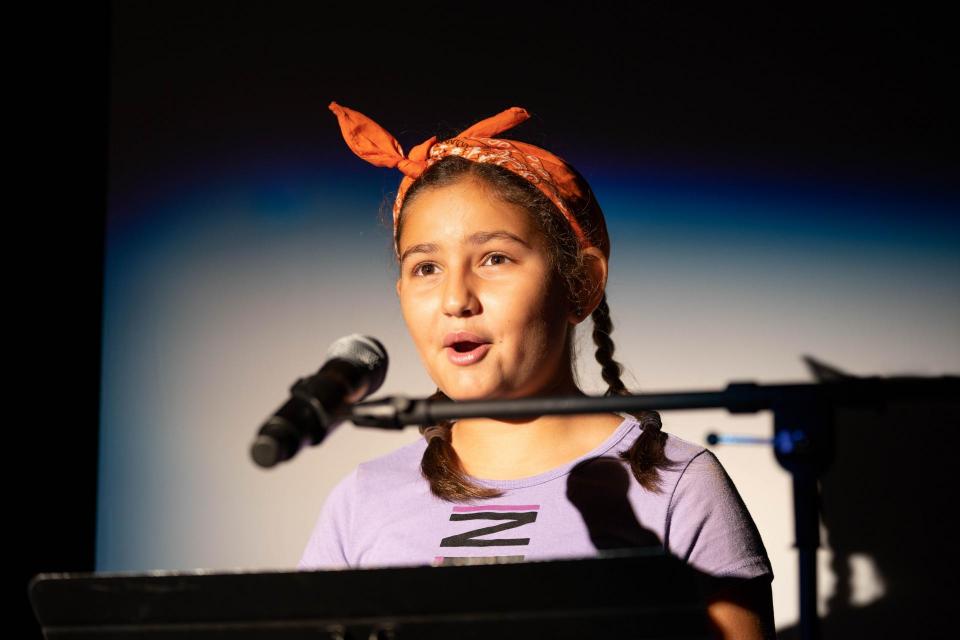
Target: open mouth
{"points": [[467, 353], [465, 347]]}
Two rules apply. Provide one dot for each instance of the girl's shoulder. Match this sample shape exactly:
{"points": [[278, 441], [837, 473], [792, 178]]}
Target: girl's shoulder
{"points": [[685, 460], [677, 449], [684, 453]]}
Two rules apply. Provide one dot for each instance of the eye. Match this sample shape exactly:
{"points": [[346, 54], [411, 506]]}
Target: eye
{"points": [[417, 270], [492, 256]]}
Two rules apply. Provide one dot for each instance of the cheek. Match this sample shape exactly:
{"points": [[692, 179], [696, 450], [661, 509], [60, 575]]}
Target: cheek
{"points": [[416, 314], [524, 313]]}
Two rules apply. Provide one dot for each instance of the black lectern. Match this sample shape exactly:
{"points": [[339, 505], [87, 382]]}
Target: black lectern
{"points": [[624, 594]]}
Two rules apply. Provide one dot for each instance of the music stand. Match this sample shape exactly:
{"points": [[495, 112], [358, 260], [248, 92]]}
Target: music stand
{"points": [[641, 593]]}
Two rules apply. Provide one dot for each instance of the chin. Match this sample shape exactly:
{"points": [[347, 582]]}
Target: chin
{"points": [[461, 395], [461, 392]]}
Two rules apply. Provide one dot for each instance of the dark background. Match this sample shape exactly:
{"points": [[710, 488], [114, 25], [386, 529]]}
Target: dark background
{"points": [[860, 95], [856, 93]]}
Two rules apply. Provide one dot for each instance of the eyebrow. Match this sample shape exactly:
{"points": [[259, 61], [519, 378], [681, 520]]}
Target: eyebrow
{"points": [[481, 237]]}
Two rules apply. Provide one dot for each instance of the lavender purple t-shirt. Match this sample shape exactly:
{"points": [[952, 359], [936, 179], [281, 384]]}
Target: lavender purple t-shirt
{"points": [[383, 514]]}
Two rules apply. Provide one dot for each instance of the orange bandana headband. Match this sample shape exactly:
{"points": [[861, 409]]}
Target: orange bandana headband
{"points": [[547, 172]]}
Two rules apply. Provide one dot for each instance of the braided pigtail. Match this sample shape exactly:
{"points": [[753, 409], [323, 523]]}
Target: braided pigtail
{"points": [[441, 467], [647, 454]]}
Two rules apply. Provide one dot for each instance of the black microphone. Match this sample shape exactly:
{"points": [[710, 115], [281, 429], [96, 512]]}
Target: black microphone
{"points": [[356, 366]]}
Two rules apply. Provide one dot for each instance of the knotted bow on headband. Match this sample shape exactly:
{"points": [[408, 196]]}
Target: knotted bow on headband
{"points": [[547, 172]]}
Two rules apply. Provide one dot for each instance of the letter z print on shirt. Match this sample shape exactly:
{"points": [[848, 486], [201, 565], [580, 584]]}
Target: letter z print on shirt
{"points": [[496, 519]]}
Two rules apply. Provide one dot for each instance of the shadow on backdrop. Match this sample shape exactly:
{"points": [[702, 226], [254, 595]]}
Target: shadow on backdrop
{"points": [[886, 503]]}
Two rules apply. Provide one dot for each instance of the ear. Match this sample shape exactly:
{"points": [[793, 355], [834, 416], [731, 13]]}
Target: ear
{"points": [[398, 287], [596, 264]]}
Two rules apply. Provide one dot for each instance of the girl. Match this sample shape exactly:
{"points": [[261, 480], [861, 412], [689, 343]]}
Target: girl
{"points": [[502, 251]]}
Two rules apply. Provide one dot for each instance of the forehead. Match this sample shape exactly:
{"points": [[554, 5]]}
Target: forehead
{"points": [[454, 212]]}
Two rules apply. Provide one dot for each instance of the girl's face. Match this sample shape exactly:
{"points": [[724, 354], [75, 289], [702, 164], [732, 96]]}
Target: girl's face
{"points": [[479, 297]]}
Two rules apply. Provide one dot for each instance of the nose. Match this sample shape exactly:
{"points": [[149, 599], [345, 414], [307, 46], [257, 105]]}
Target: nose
{"points": [[459, 295]]}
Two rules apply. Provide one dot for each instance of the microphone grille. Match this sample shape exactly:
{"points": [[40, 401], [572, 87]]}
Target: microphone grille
{"points": [[364, 351]]}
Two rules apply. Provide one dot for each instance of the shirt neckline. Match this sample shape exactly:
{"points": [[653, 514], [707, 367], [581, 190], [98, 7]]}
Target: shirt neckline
{"points": [[629, 422]]}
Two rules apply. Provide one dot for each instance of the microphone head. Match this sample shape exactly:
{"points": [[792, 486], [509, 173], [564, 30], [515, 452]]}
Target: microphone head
{"points": [[265, 451], [362, 351]]}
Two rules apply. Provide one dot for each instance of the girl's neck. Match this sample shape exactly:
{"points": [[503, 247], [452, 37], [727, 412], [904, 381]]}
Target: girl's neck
{"points": [[508, 449]]}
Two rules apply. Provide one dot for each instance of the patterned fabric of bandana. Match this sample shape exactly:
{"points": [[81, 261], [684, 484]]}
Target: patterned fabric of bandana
{"points": [[549, 173]]}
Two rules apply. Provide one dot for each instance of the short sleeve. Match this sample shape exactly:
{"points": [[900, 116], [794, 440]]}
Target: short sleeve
{"points": [[708, 525], [327, 547]]}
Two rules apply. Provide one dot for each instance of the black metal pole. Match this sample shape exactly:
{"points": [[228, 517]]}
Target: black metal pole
{"points": [[807, 523], [396, 412]]}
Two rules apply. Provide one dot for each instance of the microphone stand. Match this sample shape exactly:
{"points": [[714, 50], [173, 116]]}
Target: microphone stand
{"points": [[803, 437]]}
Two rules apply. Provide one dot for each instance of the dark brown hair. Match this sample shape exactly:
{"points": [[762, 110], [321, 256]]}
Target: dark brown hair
{"points": [[440, 464]]}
